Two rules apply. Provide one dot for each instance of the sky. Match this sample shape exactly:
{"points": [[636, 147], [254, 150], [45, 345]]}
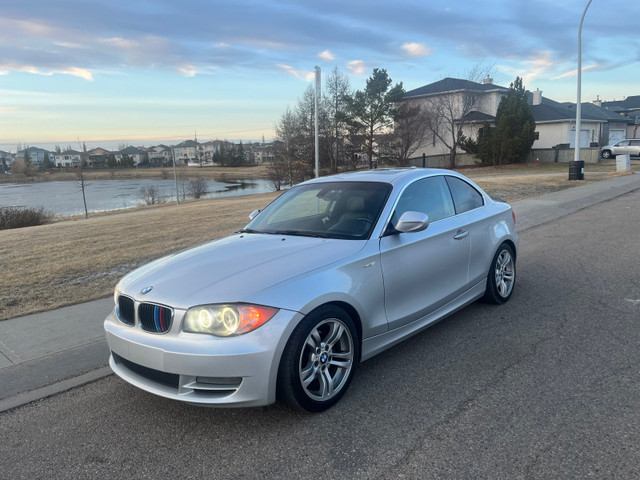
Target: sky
{"points": [[144, 72]]}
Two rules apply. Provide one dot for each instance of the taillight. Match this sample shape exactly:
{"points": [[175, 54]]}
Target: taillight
{"points": [[513, 214]]}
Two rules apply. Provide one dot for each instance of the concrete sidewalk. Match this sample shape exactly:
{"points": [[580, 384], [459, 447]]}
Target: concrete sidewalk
{"points": [[49, 352]]}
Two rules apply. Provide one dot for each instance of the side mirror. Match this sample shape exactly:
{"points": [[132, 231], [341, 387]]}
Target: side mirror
{"points": [[412, 222], [254, 214]]}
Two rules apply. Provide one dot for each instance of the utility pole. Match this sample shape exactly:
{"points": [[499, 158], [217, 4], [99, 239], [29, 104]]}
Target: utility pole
{"points": [[175, 178], [317, 99], [576, 168]]}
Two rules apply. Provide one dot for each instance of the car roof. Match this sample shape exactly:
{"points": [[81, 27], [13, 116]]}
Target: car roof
{"points": [[391, 175]]}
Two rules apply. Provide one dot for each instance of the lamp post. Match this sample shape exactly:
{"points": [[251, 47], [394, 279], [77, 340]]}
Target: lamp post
{"points": [[175, 178], [576, 168], [317, 99]]}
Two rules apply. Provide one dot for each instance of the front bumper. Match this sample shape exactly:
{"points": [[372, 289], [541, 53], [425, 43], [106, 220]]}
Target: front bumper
{"points": [[198, 368]]}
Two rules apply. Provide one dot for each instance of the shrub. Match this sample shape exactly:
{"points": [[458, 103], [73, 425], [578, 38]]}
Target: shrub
{"points": [[18, 217], [197, 187], [151, 195]]}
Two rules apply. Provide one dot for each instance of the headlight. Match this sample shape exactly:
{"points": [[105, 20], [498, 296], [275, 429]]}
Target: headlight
{"points": [[226, 320], [115, 294]]}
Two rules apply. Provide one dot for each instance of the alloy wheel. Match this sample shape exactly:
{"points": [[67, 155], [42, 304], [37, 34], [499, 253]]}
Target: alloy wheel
{"points": [[504, 274], [326, 359]]}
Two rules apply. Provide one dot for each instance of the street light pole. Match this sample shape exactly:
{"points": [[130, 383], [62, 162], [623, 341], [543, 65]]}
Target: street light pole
{"points": [[175, 178], [576, 168], [317, 99]]}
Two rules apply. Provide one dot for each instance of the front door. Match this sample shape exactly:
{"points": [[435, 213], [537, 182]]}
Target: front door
{"points": [[424, 270]]}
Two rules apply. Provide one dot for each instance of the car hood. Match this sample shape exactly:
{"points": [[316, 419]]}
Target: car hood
{"points": [[232, 269]]}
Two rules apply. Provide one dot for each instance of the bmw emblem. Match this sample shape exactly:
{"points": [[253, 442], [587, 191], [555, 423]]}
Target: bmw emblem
{"points": [[146, 290]]}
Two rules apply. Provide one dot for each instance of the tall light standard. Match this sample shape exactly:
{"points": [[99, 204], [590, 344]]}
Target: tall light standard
{"points": [[175, 178], [576, 168], [317, 99]]}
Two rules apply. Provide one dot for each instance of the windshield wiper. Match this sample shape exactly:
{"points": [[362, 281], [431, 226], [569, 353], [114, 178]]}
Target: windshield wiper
{"points": [[301, 233]]}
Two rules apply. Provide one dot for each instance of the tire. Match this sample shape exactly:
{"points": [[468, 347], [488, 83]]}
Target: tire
{"points": [[319, 360], [606, 154], [502, 276]]}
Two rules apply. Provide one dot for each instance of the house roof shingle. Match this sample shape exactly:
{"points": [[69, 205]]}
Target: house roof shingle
{"points": [[451, 85], [477, 117], [552, 111]]}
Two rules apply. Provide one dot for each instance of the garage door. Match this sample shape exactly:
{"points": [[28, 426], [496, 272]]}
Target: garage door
{"points": [[584, 139], [615, 135]]}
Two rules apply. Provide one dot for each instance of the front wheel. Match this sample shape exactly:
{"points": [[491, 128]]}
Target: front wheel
{"points": [[606, 154], [319, 360], [502, 276]]}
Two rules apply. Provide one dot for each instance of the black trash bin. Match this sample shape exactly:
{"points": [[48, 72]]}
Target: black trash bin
{"points": [[576, 170]]}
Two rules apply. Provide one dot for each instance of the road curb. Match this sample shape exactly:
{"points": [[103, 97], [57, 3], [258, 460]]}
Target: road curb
{"points": [[40, 393]]}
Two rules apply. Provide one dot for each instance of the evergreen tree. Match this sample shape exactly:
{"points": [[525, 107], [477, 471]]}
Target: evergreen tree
{"points": [[371, 110], [511, 139], [46, 163], [240, 157]]}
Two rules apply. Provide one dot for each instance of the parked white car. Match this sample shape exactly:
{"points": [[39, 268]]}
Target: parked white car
{"points": [[332, 272], [630, 146]]}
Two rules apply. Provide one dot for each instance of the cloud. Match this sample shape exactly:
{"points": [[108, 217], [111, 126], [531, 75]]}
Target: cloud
{"points": [[416, 49], [119, 42], [326, 55], [356, 66], [574, 72], [187, 70], [77, 72], [532, 68], [6, 67], [301, 74]]}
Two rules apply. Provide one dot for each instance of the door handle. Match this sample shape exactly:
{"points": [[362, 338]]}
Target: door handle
{"points": [[460, 234]]}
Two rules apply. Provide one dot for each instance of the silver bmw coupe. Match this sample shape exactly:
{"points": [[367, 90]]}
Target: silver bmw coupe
{"points": [[332, 272]]}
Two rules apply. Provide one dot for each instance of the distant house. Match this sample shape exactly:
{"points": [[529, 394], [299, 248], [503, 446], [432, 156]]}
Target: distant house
{"points": [[468, 105], [136, 154], [208, 149], [36, 155], [160, 155], [629, 107], [97, 157], [262, 152], [68, 158], [556, 123], [185, 152], [6, 157]]}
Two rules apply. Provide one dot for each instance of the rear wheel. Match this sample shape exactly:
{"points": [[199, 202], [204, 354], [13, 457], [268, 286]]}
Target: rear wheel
{"points": [[319, 360], [502, 276]]}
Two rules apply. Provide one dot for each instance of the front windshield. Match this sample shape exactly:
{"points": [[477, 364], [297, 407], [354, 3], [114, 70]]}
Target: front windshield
{"points": [[347, 210]]}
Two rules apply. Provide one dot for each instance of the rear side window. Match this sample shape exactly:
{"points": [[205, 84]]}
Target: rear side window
{"points": [[635, 142], [465, 197]]}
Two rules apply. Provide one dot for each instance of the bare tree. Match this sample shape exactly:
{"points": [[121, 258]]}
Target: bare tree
{"points": [[410, 129], [335, 101], [288, 146], [197, 187], [277, 172], [305, 113], [81, 183], [445, 112], [150, 195]]}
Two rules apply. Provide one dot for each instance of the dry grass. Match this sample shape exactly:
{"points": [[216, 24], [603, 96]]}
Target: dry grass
{"points": [[77, 260]]}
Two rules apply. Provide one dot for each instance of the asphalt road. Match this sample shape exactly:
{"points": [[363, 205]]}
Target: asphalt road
{"points": [[547, 386]]}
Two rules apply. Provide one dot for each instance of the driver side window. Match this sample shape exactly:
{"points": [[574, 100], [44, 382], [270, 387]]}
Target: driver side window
{"points": [[428, 195]]}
